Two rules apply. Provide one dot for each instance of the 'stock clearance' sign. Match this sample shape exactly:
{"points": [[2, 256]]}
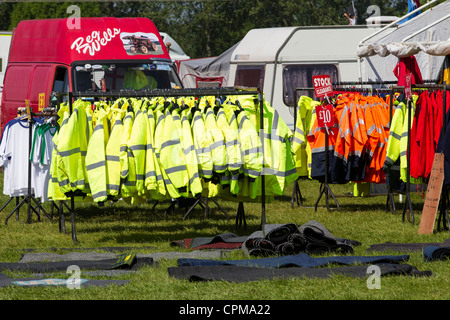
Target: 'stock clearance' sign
{"points": [[322, 85]]}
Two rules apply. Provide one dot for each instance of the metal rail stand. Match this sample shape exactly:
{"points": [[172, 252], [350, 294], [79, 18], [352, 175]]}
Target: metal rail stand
{"points": [[296, 195], [203, 202], [240, 216]]}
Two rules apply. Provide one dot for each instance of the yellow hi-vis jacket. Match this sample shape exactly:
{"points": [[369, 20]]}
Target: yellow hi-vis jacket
{"points": [[202, 143], [112, 154], [96, 158], [72, 147], [127, 170]]}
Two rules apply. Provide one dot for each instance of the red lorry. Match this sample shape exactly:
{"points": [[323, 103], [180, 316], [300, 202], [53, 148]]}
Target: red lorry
{"points": [[51, 56]]}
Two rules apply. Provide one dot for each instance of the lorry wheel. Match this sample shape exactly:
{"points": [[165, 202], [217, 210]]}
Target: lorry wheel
{"points": [[144, 49], [133, 49], [154, 46]]}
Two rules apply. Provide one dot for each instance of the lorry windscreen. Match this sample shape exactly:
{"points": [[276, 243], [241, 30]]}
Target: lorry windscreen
{"points": [[111, 77]]}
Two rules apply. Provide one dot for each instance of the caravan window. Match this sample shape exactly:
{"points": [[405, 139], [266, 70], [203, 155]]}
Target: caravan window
{"points": [[300, 76], [251, 76]]}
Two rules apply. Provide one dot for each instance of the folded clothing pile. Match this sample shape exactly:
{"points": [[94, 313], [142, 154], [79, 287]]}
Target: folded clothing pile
{"points": [[287, 239]]}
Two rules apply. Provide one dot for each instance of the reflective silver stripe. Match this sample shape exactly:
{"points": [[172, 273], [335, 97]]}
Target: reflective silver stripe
{"points": [[98, 127], [241, 123], [130, 183], [395, 135], [274, 137], [278, 173], [63, 183], [232, 119], [252, 151], [65, 121], [188, 149], [71, 152], [219, 167], [252, 172], [322, 149], [297, 140], [195, 176], [112, 158], [138, 147], [140, 177], [160, 118], [217, 144], [176, 169], [232, 143], [99, 194], [170, 143], [95, 165], [371, 129], [299, 131], [205, 172], [203, 150], [150, 174], [112, 187], [388, 161]]}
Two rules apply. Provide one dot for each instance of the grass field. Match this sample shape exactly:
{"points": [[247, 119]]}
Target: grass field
{"points": [[360, 218]]}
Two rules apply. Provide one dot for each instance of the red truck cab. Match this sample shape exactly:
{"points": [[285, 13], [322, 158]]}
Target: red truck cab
{"points": [[102, 55]]}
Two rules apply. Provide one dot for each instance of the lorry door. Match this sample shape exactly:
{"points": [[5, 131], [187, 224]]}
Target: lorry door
{"points": [[25, 83]]}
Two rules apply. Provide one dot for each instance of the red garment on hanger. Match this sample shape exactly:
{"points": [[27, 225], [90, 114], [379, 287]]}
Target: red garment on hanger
{"points": [[405, 66]]}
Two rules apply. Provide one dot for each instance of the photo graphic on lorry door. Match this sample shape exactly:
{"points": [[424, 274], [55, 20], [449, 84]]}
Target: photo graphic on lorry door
{"points": [[141, 43]]}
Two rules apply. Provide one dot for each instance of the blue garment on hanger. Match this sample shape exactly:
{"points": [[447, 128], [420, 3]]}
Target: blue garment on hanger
{"points": [[299, 260]]}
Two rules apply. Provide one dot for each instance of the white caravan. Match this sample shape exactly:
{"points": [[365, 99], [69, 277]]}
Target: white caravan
{"points": [[280, 60]]}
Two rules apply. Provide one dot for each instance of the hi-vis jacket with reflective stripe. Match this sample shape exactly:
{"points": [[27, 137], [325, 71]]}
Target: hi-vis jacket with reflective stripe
{"points": [[112, 153], [137, 144], [154, 181], [202, 142], [71, 149], [127, 167], [316, 139], [96, 158], [300, 145], [54, 191], [279, 165], [187, 142]]}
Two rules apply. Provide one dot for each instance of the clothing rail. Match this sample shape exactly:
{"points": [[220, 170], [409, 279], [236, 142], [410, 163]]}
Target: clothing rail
{"points": [[224, 91], [29, 197], [443, 213]]}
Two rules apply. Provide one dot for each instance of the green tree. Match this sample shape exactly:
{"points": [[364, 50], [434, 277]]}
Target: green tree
{"points": [[207, 27]]}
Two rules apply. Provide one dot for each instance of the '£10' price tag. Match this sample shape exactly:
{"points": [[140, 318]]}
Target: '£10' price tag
{"points": [[325, 115]]}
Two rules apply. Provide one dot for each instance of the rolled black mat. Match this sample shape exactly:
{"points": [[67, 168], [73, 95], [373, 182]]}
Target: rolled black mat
{"points": [[434, 253]]}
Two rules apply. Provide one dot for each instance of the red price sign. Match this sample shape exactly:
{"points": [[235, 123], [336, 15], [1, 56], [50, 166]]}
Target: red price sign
{"points": [[322, 85], [325, 115], [408, 93]]}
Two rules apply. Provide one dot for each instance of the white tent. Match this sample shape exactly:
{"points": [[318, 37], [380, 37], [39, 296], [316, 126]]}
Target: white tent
{"points": [[206, 72], [175, 50], [426, 36]]}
